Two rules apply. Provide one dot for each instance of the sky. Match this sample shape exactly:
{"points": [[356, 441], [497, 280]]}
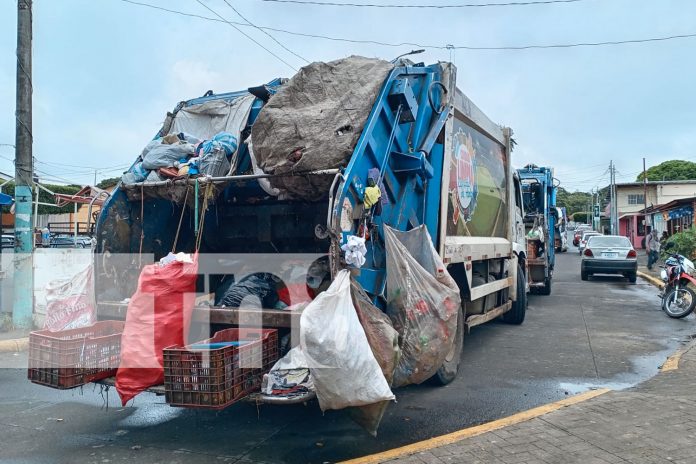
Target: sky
{"points": [[106, 72]]}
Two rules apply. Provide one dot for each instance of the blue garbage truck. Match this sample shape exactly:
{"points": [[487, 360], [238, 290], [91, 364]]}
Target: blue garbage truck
{"points": [[343, 149], [541, 218]]}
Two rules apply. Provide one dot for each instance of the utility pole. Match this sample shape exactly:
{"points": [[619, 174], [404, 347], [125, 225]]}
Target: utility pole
{"points": [[24, 169], [614, 216], [645, 200]]}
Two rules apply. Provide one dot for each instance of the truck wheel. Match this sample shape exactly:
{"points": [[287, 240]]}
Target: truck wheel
{"points": [[519, 307], [546, 289], [448, 371]]}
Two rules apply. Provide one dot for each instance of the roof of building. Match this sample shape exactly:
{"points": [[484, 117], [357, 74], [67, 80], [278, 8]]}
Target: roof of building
{"points": [[86, 195], [668, 206], [656, 182]]}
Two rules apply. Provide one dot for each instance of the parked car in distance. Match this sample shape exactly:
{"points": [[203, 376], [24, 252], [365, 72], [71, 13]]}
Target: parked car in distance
{"points": [[68, 241], [577, 235], [585, 236], [8, 241], [609, 254]]}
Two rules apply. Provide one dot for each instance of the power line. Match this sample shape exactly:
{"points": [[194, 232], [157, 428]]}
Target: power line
{"points": [[412, 44], [269, 35], [461, 5], [245, 34]]}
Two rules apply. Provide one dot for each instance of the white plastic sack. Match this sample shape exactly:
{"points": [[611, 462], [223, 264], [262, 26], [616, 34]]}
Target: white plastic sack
{"points": [[423, 302], [70, 302], [343, 368], [161, 155]]}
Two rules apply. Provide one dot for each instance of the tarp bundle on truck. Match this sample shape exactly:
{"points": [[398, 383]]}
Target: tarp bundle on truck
{"points": [[315, 120]]}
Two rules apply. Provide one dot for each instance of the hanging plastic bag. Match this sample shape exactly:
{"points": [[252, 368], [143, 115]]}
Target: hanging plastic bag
{"points": [[384, 342], [343, 368], [423, 302], [159, 314]]}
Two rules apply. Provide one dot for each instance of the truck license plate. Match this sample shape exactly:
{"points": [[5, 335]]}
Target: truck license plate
{"points": [[609, 255]]}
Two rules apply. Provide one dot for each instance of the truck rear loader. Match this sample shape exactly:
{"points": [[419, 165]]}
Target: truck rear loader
{"points": [[440, 162]]}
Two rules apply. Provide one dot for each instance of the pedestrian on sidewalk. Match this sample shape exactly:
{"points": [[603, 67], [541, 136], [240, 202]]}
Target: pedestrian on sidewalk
{"points": [[652, 244]]}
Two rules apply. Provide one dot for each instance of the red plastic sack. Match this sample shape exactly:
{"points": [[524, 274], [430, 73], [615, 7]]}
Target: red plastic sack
{"points": [[159, 315]]}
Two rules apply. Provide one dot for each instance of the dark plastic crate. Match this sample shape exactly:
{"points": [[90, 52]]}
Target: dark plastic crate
{"points": [[74, 357], [214, 378]]}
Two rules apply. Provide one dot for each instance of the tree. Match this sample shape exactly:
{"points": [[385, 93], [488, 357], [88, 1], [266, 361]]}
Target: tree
{"points": [[110, 182], [573, 202], [581, 217], [670, 170], [45, 197]]}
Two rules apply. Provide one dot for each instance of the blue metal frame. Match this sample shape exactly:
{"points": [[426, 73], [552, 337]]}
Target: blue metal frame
{"points": [[544, 176], [412, 175]]}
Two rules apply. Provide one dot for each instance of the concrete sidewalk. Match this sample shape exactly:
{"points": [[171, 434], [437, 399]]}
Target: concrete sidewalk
{"points": [[654, 422]]}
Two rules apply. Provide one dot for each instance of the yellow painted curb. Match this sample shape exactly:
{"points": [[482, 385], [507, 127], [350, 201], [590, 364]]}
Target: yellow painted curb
{"points": [[672, 363], [459, 435], [12, 346], [656, 282]]}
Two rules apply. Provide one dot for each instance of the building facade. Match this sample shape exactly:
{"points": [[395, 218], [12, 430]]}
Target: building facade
{"points": [[635, 199]]}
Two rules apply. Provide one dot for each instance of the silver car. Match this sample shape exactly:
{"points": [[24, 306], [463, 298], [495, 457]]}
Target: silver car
{"points": [[609, 254], [585, 237]]}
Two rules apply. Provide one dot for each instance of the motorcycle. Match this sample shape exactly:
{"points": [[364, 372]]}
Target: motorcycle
{"points": [[678, 299]]}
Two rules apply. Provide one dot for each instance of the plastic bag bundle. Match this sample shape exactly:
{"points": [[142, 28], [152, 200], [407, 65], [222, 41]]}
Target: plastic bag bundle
{"points": [[355, 251], [343, 368], [423, 302]]}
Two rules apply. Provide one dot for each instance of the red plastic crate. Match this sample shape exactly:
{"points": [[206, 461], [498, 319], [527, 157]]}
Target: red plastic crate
{"points": [[214, 378], [70, 358]]}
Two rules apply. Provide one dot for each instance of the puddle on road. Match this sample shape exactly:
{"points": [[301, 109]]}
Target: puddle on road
{"points": [[644, 368]]}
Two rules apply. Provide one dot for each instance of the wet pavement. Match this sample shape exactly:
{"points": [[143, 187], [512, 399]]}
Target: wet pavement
{"points": [[601, 333]]}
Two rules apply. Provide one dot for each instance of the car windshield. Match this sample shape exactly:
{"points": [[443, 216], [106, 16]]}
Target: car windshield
{"points": [[587, 235], [606, 242]]}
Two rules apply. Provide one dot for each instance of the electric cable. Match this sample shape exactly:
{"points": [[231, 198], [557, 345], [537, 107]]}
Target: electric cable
{"points": [[438, 6], [269, 35], [246, 35], [413, 44]]}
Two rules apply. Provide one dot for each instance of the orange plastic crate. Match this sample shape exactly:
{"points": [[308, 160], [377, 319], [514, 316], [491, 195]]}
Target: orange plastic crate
{"points": [[215, 378], [70, 358]]}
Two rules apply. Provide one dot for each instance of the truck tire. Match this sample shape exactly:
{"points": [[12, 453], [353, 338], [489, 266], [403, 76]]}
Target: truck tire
{"points": [[448, 371], [546, 289], [519, 308]]}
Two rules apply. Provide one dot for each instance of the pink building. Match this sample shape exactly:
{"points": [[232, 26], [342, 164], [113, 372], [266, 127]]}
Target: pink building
{"points": [[632, 201]]}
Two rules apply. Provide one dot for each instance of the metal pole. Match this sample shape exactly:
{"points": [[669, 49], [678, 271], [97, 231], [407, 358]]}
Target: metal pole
{"points": [[645, 198], [36, 207], [75, 225], [23, 303]]}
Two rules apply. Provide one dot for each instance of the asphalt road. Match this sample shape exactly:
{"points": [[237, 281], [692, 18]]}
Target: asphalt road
{"points": [[601, 333]]}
